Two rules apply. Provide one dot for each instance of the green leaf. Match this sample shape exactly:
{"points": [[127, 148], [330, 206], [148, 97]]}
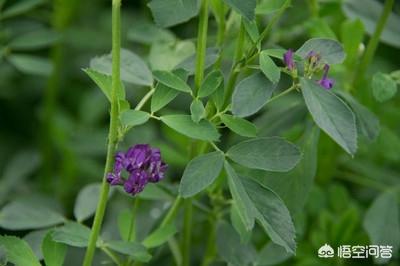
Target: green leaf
{"points": [[383, 87], [203, 130], [104, 82], [34, 40], [133, 69], [145, 32], [164, 94], [242, 200], [266, 7], [30, 64], [294, 186], [168, 13], [72, 234], [251, 94], [13, 174], [86, 202], [211, 83], [160, 236], [369, 12], [18, 251], [20, 7], [167, 56], [252, 30], [331, 51], [382, 223], [230, 249], [133, 249], [272, 214], [396, 76], [23, 215], [34, 240], [189, 64], [352, 34], [244, 8], [197, 110], [278, 53], [268, 67], [238, 224], [200, 173], [270, 154], [331, 114], [239, 125], [367, 123], [218, 96], [132, 118], [171, 80], [272, 254], [124, 219], [53, 252]]}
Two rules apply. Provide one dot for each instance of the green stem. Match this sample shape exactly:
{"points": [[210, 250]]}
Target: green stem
{"points": [[50, 102], [211, 247], [373, 43], [220, 17], [113, 131], [201, 45], [176, 252], [172, 212], [314, 8], [62, 16], [112, 255], [145, 99], [187, 232], [236, 65], [132, 227], [292, 88], [252, 52]]}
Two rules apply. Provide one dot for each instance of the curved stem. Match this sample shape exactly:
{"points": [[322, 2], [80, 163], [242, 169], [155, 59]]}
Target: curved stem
{"points": [[201, 45], [145, 99], [292, 88], [113, 131], [172, 212], [373, 43], [112, 255]]}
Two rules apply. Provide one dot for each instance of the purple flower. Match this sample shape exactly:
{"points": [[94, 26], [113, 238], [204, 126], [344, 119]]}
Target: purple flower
{"points": [[288, 60], [326, 82], [144, 165]]}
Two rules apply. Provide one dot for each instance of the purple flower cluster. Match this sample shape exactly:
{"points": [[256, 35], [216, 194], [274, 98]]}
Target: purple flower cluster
{"points": [[143, 164], [288, 60], [313, 59]]}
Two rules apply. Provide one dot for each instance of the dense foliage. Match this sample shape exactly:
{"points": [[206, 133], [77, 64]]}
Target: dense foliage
{"points": [[215, 132]]}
